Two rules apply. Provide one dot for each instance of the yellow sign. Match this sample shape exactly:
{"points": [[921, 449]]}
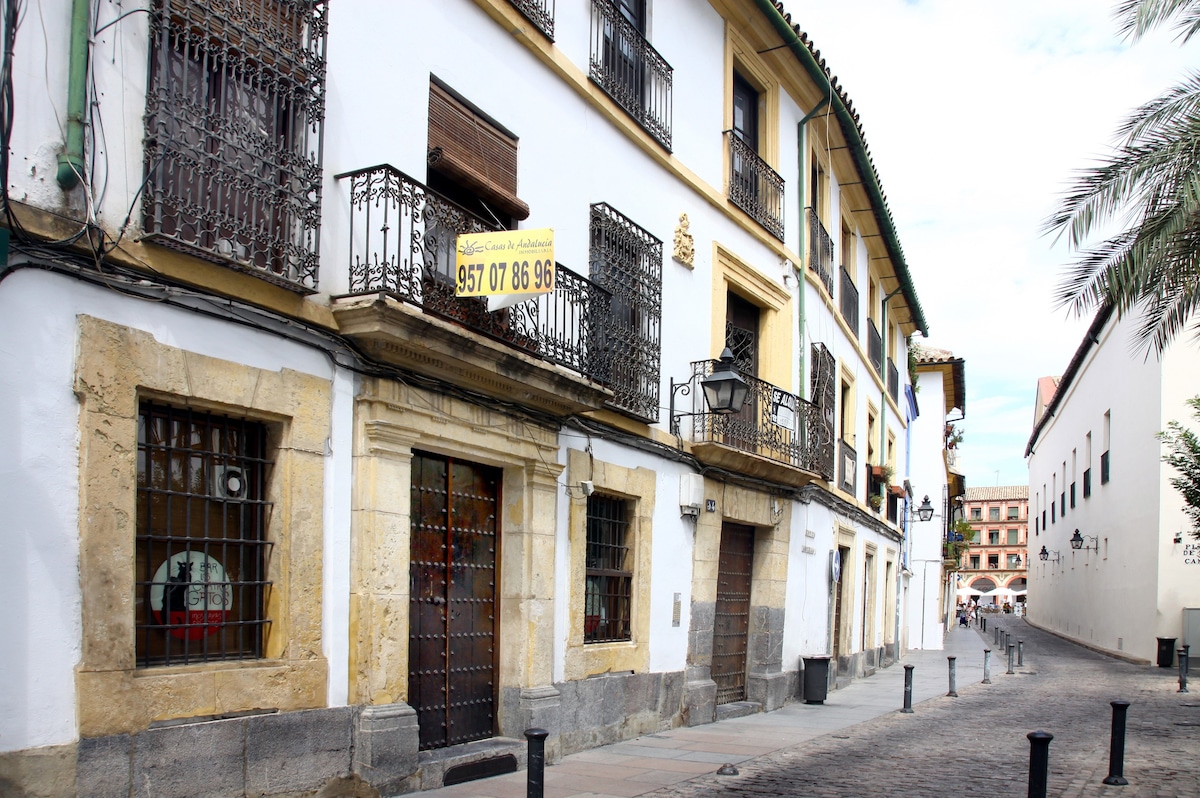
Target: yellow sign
{"points": [[508, 262]]}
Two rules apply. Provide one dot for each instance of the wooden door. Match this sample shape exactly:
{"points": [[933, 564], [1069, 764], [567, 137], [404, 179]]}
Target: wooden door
{"points": [[731, 626], [452, 611]]}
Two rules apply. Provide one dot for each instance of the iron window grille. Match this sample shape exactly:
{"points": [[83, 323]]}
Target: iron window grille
{"points": [[825, 397], [234, 111], [631, 71], [820, 253], [874, 347], [627, 261], [893, 381], [609, 577], [539, 12], [849, 302], [755, 187], [201, 558]]}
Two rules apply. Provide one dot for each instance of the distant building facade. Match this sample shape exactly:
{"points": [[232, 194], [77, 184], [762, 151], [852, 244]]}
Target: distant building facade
{"points": [[996, 559]]}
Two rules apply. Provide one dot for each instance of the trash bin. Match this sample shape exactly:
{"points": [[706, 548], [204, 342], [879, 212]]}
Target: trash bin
{"points": [[816, 679], [1166, 652]]}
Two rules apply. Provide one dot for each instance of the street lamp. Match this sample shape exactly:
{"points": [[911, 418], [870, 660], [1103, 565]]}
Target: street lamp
{"points": [[724, 391], [1044, 555], [925, 511], [1077, 542]]}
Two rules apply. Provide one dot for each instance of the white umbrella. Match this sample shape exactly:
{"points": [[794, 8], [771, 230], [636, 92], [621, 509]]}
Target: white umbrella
{"points": [[967, 592], [1000, 592]]}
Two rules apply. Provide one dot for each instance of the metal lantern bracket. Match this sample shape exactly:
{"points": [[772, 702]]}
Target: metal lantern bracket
{"points": [[724, 391], [1077, 542]]}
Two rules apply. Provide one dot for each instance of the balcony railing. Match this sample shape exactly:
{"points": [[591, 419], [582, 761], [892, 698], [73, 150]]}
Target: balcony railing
{"points": [[773, 423], [820, 250], [893, 381], [874, 347], [539, 12], [849, 302], [755, 187], [402, 239], [848, 463], [630, 71]]}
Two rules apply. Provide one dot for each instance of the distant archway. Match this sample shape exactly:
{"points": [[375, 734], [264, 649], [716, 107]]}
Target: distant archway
{"points": [[983, 584], [1017, 584]]}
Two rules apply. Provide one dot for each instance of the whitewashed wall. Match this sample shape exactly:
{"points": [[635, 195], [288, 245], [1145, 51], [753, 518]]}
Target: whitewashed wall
{"points": [[925, 587]]}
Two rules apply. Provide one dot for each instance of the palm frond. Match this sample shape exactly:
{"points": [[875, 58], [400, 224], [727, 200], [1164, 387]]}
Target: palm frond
{"points": [[1136, 18]]}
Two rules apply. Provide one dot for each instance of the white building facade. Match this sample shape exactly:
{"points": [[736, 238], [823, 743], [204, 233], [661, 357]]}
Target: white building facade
{"points": [[1095, 470], [284, 508]]}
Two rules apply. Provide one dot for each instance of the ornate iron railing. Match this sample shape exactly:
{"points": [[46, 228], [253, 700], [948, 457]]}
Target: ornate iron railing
{"points": [[631, 71], [821, 380], [755, 187], [234, 110], [848, 467], [773, 423], [874, 347], [893, 381], [849, 302], [626, 260], [539, 12], [820, 250], [402, 238]]}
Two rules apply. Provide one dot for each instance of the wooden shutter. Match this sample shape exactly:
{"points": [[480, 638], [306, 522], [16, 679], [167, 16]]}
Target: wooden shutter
{"points": [[474, 153]]}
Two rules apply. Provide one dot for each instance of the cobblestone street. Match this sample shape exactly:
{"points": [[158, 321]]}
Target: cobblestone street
{"points": [[975, 745]]}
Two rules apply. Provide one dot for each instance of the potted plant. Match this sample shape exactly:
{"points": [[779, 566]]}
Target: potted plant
{"points": [[875, 500], [896, 490], [889, 474], [876, 472]]}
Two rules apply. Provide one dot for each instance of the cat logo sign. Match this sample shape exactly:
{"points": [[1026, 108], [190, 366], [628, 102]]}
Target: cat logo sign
{"points": [[190, 590]]}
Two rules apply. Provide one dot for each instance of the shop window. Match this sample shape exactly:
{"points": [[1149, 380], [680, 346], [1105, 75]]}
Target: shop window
{"points": [[201, 555]]}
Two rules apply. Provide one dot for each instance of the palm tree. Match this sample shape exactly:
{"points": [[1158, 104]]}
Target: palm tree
{"points": [[1153, 181]]}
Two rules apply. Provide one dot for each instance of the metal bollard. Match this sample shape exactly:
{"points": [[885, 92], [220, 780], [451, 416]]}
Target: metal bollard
{"points": [[1020, 653], [1039, 762], [1183, 670], [908, 669], [1116, 748], [987, 666], [996, 630], [983, 622], [953, 692], [1011, 650], [536, 763]]}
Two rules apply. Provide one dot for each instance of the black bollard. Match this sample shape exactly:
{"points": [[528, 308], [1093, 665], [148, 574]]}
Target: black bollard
{"points": [[908, 669], [1116, 748], [987, 666], [953, 692], [983, 622], [1011, 650], [1039, 762], [1020, 653], [996, 631], [1183, 669], [536, 777]]}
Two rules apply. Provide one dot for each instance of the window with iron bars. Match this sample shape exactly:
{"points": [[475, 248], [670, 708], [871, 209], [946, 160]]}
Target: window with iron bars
{"points": [[201, 554], [609, 579], [234, 111], [627, 261]]}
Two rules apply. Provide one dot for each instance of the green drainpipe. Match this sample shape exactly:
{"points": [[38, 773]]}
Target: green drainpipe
{"points": [[70, 162]]}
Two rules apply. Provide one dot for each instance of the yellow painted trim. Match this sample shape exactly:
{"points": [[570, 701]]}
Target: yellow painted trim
{"points": [[732, 273], [115, 368]]}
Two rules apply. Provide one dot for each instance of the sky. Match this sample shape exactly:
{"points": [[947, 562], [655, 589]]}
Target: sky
{"points": [[978, 115]]}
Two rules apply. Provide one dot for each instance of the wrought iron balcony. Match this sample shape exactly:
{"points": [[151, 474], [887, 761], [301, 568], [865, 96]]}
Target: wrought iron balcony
{"points": [[755, 187], [539, 12], [874, 347], [820, 251], [402, 238], [893, 381], [849, 302], [773, 424], [630, 71]]}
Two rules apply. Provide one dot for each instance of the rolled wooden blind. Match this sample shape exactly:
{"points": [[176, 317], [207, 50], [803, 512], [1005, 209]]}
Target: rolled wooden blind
{"points": [[473, 152]]}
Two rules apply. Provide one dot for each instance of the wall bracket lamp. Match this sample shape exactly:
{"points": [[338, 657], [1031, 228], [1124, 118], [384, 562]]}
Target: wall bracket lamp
{"points": [[724, 391], [1077, 542], [925, 510], [1044, 555]]}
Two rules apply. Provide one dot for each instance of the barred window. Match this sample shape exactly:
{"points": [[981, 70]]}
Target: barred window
{"points": [[627, 261], [201, 554], [609, 583], [234, 110]]}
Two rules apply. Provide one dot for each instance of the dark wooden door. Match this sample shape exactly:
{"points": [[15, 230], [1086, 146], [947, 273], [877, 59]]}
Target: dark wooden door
{"points": [[731, 626], [452, 578]]}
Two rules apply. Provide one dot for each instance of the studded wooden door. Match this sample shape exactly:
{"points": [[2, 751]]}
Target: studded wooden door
{"points": [[731, 624], [452, 578]]}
